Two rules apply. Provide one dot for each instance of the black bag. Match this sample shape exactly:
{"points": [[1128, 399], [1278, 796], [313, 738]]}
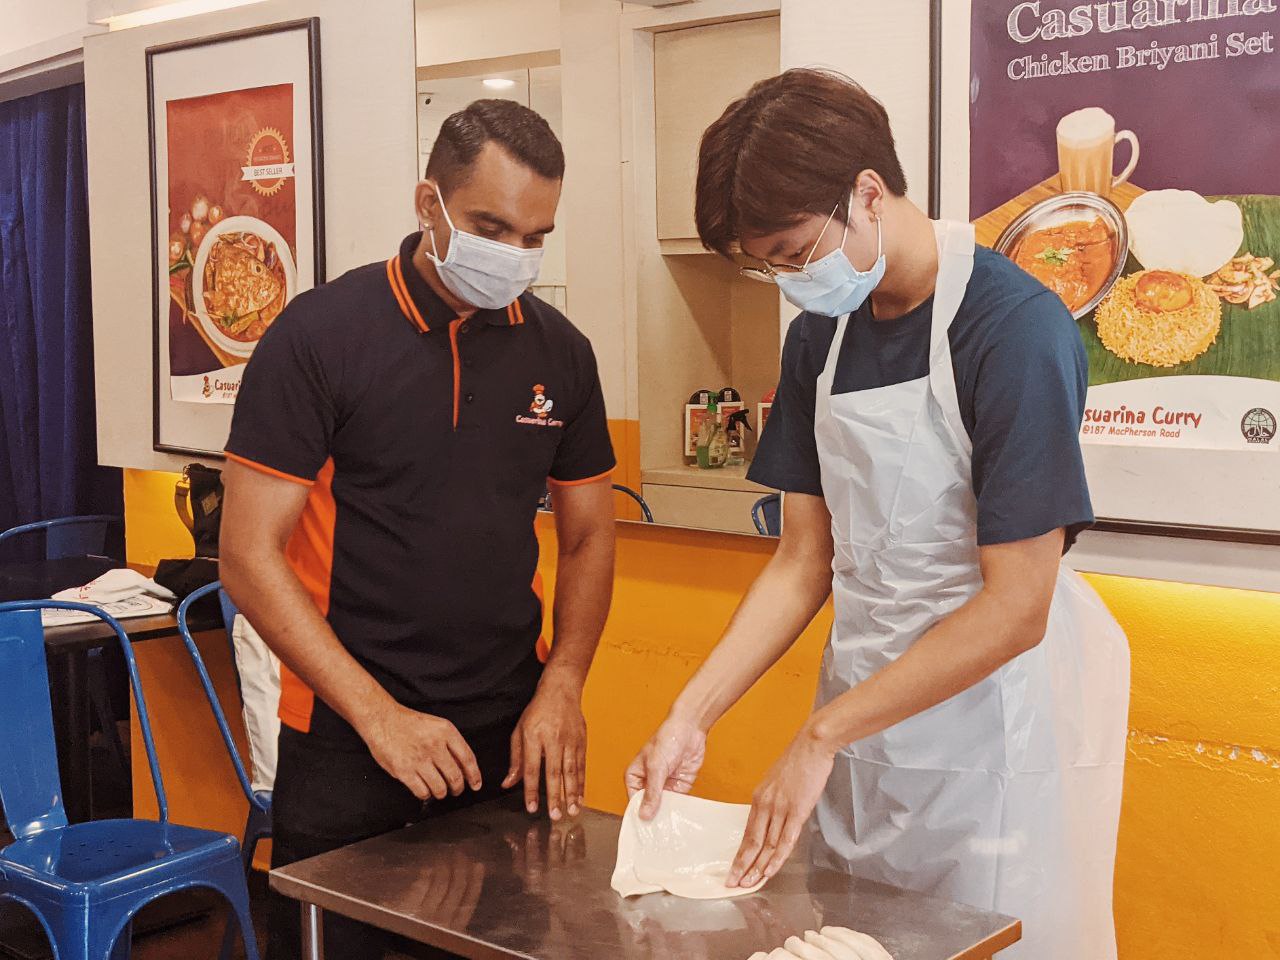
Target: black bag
{"points": [[198, 500]]}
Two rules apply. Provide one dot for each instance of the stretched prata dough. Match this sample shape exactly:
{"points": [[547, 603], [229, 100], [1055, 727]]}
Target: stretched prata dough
{"points": [[868, 947], [687, 849], [805, 951]]}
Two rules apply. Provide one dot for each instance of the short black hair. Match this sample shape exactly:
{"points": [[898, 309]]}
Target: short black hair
{"points": [[794, 144], [518, 130]]}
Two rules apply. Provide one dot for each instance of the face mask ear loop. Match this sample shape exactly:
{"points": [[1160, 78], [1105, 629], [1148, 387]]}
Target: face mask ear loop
{"points": [[435, 252], [814, 248]]}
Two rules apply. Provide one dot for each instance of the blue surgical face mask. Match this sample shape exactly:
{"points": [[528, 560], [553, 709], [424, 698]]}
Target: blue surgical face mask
{"points": [[483, 272], [832, 286]]}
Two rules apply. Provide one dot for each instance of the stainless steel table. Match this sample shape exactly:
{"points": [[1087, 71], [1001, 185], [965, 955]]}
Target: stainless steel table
{"points": [[492, 882]]}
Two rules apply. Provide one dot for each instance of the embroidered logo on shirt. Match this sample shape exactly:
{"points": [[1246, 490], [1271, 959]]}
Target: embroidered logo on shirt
{"points": [[539, 413]]}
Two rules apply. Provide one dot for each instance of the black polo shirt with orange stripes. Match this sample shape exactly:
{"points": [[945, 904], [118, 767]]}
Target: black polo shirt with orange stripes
{"points": [[427, 442]]}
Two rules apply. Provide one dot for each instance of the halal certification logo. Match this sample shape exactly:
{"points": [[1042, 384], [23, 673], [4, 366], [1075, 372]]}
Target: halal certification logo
{"points": [[1258, 425]]}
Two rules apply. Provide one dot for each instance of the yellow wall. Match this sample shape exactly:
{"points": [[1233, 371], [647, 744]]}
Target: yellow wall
{"points": [[1197, 874]]}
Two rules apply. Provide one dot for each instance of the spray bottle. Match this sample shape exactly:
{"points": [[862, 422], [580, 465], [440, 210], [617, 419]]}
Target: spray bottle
{"points": [[736, 426]]}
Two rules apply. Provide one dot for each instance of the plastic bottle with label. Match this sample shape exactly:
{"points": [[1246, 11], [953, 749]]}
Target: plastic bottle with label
{"points": [[713, 441]]}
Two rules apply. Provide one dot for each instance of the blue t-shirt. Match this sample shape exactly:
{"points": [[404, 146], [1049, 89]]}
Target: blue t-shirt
{"points": [[1021, 375]]}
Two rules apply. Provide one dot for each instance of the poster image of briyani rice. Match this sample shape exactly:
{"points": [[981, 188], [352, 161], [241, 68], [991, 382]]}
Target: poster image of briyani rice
{"points": [[232, 241], [1177, 310]]}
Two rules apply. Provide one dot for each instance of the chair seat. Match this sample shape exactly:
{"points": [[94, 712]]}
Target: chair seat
{"points": [[110, 854]]}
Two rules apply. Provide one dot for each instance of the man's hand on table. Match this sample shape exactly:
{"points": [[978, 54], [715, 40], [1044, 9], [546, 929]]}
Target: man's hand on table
{"points": [[552, 733], [425, 753]]}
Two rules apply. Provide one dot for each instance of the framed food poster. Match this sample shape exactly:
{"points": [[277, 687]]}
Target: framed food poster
{"points": [[1125, 153], [237, 213]]}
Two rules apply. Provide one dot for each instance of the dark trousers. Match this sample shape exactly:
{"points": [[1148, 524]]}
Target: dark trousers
{"points": [[329, 794]]}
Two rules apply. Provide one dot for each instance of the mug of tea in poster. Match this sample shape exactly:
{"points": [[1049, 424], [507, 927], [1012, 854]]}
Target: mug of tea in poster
{"points": [[1127, 154], [232, 233]]}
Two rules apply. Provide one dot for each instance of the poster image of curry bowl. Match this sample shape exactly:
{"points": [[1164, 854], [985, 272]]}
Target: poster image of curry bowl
{"points": [[1074, 243], [242, 278], [1174, 314]]}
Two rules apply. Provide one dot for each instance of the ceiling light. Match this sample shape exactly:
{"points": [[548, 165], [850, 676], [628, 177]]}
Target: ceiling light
{"points": [[498, 83], [124, 15]]}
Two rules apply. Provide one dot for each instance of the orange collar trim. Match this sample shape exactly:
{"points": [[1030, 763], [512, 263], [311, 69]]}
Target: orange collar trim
{"points": [[395, 276]]}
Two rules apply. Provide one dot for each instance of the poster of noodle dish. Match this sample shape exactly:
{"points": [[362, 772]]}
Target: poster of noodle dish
{"points": [[1126, 154], [236, 213]]}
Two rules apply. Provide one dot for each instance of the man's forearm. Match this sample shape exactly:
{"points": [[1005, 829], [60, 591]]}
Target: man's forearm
{"points": [[271, 597], [584, 589], [954, 655]]}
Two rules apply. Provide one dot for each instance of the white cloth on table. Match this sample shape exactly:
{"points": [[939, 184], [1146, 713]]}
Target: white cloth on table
{"points": [[122, 594]]}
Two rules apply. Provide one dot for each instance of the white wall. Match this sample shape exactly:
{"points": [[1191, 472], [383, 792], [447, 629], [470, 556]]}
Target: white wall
{"points": [[29, 22], [591, 208], [368, 93], [33, 32], [453, 30], [885, 47]]}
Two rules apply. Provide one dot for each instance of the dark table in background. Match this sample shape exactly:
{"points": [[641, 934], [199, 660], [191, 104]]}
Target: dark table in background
{"points": [[493, 882], [68, 650]]}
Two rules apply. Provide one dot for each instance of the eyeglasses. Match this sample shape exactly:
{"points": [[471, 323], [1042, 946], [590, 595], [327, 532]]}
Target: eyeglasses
{"points": [[770, 272]]}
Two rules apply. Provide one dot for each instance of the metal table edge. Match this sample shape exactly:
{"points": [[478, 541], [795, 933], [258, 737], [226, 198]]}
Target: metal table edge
{"points": [[1000, 940], [362, 911]]}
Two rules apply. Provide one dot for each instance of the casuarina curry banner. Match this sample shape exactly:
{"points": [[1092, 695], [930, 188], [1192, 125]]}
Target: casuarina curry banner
{"points": [[1127, 154]]}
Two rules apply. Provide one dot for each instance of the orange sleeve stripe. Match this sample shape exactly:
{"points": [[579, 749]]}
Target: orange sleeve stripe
{"points": [[607, 475], [310, 554], [270, 471]]}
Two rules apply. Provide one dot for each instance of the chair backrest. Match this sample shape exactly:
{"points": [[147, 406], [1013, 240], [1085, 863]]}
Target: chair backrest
{"points": [[644, 507], [229, 612], [766, 514], [68, 536], [545, 504], [30, 788]]}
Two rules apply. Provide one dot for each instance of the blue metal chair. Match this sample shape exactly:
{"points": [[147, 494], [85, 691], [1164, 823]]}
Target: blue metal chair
{"points": [[85, 882], [68, 536], [258, 825], [84, 536], [766, 514], [545, 503]]}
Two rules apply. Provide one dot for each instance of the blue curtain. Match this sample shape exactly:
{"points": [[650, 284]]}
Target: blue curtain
{"points": [[48, 445]]}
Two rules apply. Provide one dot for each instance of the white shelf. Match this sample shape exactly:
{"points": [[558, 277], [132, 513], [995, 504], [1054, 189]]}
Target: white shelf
{"points": [[723, 478]]}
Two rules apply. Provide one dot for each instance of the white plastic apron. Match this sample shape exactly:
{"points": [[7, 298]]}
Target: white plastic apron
{"points": [[1007, 796]]}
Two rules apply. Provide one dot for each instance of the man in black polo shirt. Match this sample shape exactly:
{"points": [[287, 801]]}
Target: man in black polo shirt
{"points": [[393, 434]]}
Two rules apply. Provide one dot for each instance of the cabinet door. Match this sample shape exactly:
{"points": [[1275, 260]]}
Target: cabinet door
{"points": [[698, 71]]}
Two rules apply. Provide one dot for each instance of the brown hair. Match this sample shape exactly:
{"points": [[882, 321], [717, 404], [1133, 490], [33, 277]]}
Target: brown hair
{"points": [[793, 145], [517, 129]]}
